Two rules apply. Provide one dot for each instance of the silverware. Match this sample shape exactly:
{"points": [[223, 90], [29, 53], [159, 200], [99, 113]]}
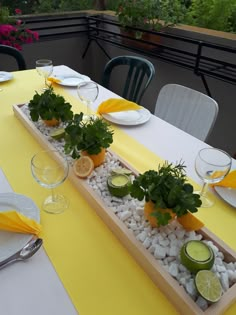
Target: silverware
{"points": [[26, 252]]}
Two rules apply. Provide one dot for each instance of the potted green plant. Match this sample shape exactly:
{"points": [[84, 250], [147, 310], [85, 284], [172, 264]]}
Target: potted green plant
{"points": [[50, 107], [88, 137], [150, 15], [166, 192]]}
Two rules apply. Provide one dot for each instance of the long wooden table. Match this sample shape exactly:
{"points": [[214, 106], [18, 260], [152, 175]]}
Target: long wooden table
{"points": [[107, 279]]}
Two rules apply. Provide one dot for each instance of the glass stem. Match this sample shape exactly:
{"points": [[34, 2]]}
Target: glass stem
{"points": [[203, 191], [45, 81], [53, 194]]}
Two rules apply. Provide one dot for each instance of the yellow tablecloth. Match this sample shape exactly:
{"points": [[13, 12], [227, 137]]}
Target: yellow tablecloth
{"points": [[97, 271]]}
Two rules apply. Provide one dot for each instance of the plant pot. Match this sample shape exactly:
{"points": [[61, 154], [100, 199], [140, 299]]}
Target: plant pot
{"points": [[149, 209], [52, 122], [98, 159], [152, 38]]}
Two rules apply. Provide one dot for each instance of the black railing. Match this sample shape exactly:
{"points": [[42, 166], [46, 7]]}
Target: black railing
{"points": [[191, 54], [203, 58]]}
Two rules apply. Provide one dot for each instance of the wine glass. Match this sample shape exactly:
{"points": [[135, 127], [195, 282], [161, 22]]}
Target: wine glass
{"points": [[211, 165], [88, 93], [44, 68], [50, 169]]}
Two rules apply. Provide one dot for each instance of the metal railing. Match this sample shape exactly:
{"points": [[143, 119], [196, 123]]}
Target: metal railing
{"points": [[204, 59]]}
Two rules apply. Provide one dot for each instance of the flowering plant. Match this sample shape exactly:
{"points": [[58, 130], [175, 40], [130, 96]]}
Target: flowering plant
{"points": [[13, 31], [149, 14]]}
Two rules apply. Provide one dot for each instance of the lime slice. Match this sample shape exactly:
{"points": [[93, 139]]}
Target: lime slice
{"points": [[208, 285], [118, 185], [196, 255], [58, 133], [121, 170]]}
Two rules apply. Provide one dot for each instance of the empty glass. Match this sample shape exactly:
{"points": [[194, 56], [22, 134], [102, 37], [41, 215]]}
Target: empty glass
{"points": [[45, 69], [50, 169], [211, 165], [88, 93]]}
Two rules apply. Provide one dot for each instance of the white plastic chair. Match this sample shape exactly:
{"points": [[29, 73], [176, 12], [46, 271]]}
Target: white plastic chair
{"points": [[187, 109]]}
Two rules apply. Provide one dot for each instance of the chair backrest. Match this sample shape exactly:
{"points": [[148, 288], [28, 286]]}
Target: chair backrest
{"points": [[187, 109], [8, 50], [139, 74]]}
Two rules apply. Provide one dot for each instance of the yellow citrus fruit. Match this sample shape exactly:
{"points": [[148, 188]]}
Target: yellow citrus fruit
{"points": [[208, 285], [196, 255], [83, 167], [190, 222], [98, 159]]}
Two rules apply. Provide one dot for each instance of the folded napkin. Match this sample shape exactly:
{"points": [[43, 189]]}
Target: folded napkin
{"points": [[53, 80], [113, 105], [16, 222], [228, 181]]}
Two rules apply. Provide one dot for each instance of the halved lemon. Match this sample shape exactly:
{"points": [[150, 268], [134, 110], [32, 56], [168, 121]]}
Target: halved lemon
{"points": [[208, 285], [118, 185], [83, 166]]}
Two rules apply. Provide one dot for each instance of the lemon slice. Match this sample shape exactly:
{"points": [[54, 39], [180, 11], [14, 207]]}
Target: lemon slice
{"points": [[196, 255], [83, 167], [118, 185], [121, 170], [58, 133], [208, 285]]}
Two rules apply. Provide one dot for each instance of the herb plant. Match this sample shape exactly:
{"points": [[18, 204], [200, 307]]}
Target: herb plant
{"points": [[167, 188], [91, 135], [149, 14], [49, 105]]}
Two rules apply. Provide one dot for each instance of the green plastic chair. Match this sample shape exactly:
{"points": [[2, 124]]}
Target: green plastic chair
{"points": [[8, 50], [139, 75]]}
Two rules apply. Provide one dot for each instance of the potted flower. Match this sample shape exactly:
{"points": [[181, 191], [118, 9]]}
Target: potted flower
{"points": [[148, 15], [88, 137], [166, 192], [50, 107], [13, 31]]}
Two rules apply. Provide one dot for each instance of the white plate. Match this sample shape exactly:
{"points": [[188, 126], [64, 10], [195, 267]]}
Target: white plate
{"points": [[129, 117], [227, 194], [5, 76], [10, 242], [71, 80]]}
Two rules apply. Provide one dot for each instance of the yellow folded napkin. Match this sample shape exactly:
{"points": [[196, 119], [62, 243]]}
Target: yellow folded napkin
{"points": [[113, 105], [16, 222], [53, 80], [228, 181]]}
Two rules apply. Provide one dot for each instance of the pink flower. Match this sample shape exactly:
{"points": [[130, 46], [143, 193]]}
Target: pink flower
{"points": [[18, 11], [18, 22]]}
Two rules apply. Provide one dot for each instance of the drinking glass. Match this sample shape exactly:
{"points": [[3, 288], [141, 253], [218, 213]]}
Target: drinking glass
{"points": [[50, 169], [44, 68], [88, 93], [211, 165]]}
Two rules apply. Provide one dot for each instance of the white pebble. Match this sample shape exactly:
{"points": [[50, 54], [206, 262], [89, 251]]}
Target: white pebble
{"points": [[142, 236], [173, 269], [160, 252], [224, 279], [125, 215], [202, 303]]}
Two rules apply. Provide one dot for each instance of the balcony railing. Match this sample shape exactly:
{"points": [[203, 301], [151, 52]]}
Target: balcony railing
{"points": [[203, 58]]}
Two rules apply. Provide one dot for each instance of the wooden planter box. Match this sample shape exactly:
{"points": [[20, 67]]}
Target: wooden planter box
{"points": [[164, 281]]}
